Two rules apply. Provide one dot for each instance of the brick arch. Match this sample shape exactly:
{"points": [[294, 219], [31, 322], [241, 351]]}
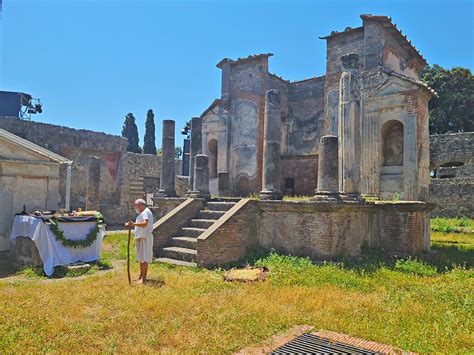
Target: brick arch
{"points": [[447, 158]]}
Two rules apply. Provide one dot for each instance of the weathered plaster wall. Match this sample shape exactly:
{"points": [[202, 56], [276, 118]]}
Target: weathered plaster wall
{"points": [[305, 116], [337, 46], [25, 179], [247, 89]]}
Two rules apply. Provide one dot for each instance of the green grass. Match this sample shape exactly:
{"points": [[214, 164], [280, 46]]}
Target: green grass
{"points": [[422, 304], [452, 225]]}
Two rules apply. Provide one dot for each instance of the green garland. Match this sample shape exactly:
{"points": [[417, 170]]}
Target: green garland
{"points": [[78, 243]]}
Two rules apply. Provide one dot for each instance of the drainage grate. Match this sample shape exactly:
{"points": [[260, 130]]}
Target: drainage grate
{"points": [[312, 344]]}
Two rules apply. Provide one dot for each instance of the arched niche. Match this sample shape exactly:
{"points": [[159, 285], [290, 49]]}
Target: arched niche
{"points": [[392, 143], [212, 152]]}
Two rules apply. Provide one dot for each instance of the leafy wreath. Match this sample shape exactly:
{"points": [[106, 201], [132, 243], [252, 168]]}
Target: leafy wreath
{"points": [[78, 243]]}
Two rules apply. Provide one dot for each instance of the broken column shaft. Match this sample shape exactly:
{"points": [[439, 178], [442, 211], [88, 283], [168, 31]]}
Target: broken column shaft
{"points": [[328, 186], [93, 185], [201, 177], [196, 146], [167, 179], [271, 147]]}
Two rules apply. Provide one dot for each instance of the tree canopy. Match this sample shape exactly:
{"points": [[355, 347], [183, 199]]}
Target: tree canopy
{"points": [[453, 109], [149, 146], [130, 131]]}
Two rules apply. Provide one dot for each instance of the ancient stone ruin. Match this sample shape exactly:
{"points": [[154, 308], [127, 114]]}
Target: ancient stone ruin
{"points": [[354, 142]]}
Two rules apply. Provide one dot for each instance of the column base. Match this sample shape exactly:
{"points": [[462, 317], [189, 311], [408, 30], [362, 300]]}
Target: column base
{"points": [[164, 193], [270, 195], [351, 196], [326, 196]]}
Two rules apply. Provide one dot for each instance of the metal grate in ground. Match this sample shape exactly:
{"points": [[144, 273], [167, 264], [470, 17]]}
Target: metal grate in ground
{"points": [[312, 344]]}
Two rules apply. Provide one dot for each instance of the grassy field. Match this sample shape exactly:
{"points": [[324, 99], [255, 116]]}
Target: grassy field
{"points": [[420, 305]]}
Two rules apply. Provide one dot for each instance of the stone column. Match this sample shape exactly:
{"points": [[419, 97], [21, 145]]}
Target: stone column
{"points": [[271, 147], [196, 146], [93, 184], [328, 186], [167, 179], [201, 177], [349, 128]]}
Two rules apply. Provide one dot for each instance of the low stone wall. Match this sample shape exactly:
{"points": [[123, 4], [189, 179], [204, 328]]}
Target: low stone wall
{"points": [[452, 197], [319, 230]]}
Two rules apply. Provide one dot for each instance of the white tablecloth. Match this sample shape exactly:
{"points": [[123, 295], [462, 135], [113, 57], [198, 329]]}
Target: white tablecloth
{"points": [[52, 251]]}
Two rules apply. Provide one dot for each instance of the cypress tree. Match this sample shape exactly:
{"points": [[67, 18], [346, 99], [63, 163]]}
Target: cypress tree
{"points": [[149, 146], [130, 131]]}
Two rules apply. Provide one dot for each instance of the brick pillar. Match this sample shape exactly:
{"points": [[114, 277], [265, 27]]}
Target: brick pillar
{"points": [[167, 179], [196, 146], [93, 184], [201, 177], [327, 169], [271, 147]]}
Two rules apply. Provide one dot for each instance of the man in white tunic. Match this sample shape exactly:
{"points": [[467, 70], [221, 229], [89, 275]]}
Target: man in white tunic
{"points": [[143, 237]]}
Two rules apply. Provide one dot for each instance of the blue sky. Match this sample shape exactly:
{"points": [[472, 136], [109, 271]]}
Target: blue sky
{"points": [[93, 61]]}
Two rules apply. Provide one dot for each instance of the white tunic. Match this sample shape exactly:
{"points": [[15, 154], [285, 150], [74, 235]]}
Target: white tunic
{"points": [[144, 237]]}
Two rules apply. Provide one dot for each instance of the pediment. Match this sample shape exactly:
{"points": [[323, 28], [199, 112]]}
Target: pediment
{"points": [[393, 86], [16, 148], [10, 150]]}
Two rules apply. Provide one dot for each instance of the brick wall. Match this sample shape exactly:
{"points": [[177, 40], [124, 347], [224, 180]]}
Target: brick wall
{"points": [[231, 238], [402, 229], [319, 230]]}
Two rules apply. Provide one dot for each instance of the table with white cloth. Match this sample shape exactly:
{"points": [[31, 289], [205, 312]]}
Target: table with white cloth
{"points": [[53, 252]]}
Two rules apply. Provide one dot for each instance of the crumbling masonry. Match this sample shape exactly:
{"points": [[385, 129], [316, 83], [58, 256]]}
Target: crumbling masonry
{"points": [[371, 98]]}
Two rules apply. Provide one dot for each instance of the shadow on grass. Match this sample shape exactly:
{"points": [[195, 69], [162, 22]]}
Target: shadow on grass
{"points": [[62, 271]]}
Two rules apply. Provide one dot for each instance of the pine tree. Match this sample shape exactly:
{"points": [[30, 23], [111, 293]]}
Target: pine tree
{"points": [[149, 146], [130, 131]]}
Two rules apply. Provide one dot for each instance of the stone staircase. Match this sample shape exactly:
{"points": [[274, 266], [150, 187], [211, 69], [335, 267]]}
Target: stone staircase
{"points": [[182, 249]]}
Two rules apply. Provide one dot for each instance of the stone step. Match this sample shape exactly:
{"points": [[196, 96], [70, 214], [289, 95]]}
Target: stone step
{"points": [[177, 253], [220, 206], [191, 231], [202, 223], [209, 214], [176, 262], [185, 242]]}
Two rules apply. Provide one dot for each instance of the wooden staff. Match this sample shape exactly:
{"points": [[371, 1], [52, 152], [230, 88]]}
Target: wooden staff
{"points": [[128, 245]]}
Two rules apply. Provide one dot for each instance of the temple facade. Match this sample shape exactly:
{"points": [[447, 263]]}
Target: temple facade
{"points": [[371, 98]]}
